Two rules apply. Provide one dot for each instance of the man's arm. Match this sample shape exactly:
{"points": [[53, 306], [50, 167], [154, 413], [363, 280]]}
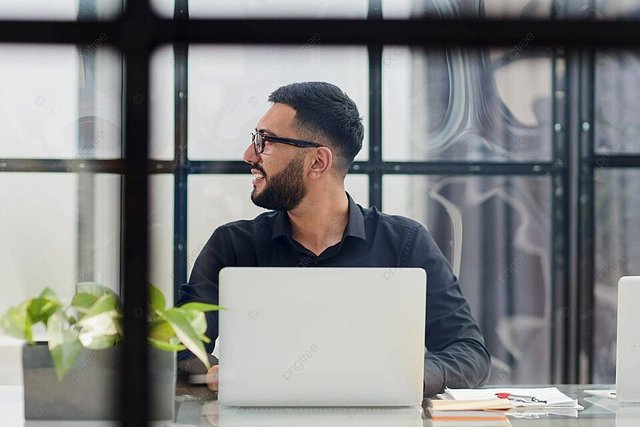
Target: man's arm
{"points": [[456, 355]]}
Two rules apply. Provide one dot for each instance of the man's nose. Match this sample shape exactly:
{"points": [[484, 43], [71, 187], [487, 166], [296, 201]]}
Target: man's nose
{"points": [[250, 155]]}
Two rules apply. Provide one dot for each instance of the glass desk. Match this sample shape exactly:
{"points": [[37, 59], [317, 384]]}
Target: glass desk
{"points": [[196, 406], [203, 411]]}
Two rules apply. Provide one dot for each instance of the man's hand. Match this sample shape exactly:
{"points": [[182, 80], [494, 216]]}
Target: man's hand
{"points": [[212, 378]]}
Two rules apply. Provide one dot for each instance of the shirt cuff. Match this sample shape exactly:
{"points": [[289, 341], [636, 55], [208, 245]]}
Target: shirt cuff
{"points": [[434, 379]]}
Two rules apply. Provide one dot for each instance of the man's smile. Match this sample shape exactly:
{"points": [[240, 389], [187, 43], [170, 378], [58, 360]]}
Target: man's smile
{"points": [[258, 176]]}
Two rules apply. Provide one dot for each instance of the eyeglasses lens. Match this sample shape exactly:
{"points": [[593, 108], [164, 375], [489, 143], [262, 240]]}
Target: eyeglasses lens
{"points": [[258, 142]]}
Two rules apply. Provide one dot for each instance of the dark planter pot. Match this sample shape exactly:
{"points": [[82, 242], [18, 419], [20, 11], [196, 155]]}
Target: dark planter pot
{"points": [[89, 390]]}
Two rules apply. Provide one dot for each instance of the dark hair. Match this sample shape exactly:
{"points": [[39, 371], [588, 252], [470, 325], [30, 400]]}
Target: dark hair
{"points": [[323, 109]]}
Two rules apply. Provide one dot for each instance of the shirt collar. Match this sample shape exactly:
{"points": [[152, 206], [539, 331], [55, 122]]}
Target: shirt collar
{"points": [[355, 224]]}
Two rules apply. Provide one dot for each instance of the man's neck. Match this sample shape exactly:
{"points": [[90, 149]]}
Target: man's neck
{"points": [[319, 222]]}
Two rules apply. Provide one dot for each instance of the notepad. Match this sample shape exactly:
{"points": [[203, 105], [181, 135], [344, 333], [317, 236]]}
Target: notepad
{"points": [[486, 416], [470, 405], [486, 410]]}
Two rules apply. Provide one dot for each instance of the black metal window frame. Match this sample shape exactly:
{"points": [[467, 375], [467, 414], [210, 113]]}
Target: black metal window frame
{"points": [[138, 32]]}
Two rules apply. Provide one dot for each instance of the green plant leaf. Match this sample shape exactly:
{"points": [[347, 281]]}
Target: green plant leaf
{"points": [[201, 306], [83, 301], [157, 299], [106, 302], [99, 331], [16, 322], [197, 319], [94, 289], [99, 327], [99, 324], [64, 345], [48, 293], [165, 346], [43, 306], [96, 341], [163, 337], [184, 331], [160, 329], [199, 323]]}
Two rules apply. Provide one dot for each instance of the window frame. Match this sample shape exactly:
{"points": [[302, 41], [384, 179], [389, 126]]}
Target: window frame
{"points": [[138, 32]]}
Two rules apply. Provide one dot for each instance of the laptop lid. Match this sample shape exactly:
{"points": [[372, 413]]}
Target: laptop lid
{"points": [[321, 336], [628, 340]]}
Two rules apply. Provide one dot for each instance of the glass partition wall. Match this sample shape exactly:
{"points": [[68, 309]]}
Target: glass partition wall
{"points": [[517, 148]]}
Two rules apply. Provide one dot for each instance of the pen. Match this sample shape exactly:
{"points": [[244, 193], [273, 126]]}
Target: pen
{"points": [[201, 379], [519, 398]]}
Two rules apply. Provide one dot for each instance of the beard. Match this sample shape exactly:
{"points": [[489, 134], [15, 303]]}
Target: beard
{"points": [[284, 190]]}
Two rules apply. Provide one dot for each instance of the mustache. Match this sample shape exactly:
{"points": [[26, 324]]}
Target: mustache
{"points": [[259, 168]]}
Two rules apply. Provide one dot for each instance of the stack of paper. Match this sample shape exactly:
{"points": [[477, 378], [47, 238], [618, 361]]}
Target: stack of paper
{"points": [[542, 398], [471, 405], [495, 404]]}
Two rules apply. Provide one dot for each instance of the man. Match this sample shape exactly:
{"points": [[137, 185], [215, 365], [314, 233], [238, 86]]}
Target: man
{"points": [[300, 153]]}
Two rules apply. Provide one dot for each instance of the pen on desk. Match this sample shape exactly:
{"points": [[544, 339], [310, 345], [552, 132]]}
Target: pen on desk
{"points": [[519, 398], [200, 379]]}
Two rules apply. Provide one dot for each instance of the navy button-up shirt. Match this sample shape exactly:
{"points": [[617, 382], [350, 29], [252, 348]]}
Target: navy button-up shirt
{"points": [[456, 355]]}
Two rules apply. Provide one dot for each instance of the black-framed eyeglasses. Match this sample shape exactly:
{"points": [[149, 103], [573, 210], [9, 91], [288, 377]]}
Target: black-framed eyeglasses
{"points": [[258, 139]]}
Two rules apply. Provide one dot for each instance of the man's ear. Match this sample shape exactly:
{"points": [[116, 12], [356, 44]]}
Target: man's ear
{"points": [[321, 162]]}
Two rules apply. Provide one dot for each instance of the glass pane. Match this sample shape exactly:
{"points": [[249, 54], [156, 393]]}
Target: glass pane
{"points": [[267, 9], [538, 9], [60, 10], [215, 200], [617, 127], [398, 9], [100, 95], [63, 101], [161, 217], [358, 188], [525, 9], [620, 9], [617, 228], [100, 259], [495, 231], [392, 9], [616, 9], [463, 104], [66, 230], [162, 104], [229, 87], [402, 9], [39, 246]]}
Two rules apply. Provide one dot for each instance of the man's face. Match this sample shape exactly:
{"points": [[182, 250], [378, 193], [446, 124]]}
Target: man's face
{"points": [[283, 190], [279, 170]]}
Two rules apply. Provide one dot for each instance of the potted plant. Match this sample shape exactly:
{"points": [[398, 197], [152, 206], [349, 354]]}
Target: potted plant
{"points": [[74, 373]]}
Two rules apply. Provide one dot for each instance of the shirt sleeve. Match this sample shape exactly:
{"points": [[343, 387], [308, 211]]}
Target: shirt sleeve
{"points": [[456, 355], [203, 283]]}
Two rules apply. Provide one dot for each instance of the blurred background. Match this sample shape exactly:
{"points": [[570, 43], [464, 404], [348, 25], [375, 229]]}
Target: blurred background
{"points": [[483, 146]]}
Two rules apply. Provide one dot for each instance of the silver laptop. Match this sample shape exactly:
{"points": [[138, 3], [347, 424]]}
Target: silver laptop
{"points": [[321, 336], [628, 345], [405, 416]]}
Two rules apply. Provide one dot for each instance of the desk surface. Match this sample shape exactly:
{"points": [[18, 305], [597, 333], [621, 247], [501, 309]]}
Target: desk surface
{"points": [[198, 407]]}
